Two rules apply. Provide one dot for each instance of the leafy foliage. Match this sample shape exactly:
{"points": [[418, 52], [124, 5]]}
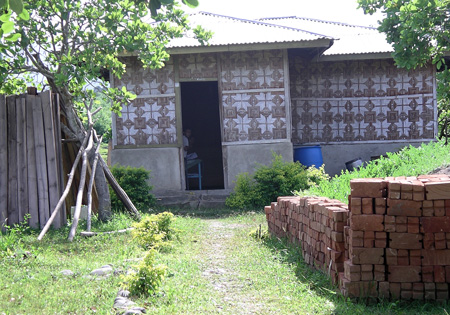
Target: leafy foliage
{"points": [[134, 181], [410, 161], [280, 178], [155, 230], [147, 278], [10, 241]]}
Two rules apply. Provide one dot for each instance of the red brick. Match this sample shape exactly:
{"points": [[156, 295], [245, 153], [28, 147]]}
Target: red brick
{"points": [[413, 225], [391, 256], [403, 257], [435, 224], [361, 256], [436, 257], [380, 205], [418, 289], [428, 240], [415, 257], [389, 223], [368, 187], [404, 273], [439, 274], [355, 205], [408, 208], [379, 272], [383, 290], [430, 291], [427, 273], [418, 190], [447, 274], [427, 208], [367, 222], [394, 189], [367, 205], [394, 289], [405, 241]]}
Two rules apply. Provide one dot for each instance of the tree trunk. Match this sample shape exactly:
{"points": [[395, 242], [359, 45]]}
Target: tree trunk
{"points": [[104, 199]]}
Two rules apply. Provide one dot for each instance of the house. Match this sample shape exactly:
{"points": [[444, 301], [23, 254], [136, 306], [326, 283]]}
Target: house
{"points": [[270, 85]]}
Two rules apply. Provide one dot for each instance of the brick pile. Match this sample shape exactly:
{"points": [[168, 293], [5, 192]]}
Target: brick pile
{"points": [[393, 242], [316, 224]]}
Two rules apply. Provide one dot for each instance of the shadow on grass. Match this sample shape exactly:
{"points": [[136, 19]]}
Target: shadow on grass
{"points": [[320, 283], [204, 213]]}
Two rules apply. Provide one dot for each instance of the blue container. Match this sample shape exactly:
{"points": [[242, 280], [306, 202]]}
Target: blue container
{"points": [[309, 155]]}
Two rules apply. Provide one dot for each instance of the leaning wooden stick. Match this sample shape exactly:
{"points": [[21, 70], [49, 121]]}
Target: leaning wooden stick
{"points": [[76, 214], [66, 191], [91, 182]]}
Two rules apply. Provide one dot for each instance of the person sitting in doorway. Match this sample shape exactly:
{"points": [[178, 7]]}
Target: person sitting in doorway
{"points": [[188, 143]]}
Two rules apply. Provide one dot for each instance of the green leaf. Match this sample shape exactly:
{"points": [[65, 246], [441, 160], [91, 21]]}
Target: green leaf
{"points": [[191, 3], [13, 37], [8, 27], [16, 6], [24, 15], [166, 2], [3, 4], [5, 17]]}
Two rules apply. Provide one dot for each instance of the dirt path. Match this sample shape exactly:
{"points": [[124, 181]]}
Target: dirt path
{"points": [[218, 269]]}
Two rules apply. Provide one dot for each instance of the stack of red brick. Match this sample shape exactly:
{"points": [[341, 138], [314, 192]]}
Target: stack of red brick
{"points": [[397, 238], [317, 224], [394, 244]]}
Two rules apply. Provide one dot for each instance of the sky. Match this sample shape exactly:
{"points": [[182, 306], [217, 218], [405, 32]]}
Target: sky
{"points": [[331, 10]]}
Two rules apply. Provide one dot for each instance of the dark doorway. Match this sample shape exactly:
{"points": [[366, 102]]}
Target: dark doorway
{"points": [[200, 114]]}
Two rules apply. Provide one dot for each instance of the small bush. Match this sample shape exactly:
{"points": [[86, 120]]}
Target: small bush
{"points": [[280, 178], [147, 278], [11, 240], [155, 230], [134, 181]]}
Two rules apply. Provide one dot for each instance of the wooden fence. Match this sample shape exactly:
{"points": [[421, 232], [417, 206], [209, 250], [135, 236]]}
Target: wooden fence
{"points": [[31, 180]]}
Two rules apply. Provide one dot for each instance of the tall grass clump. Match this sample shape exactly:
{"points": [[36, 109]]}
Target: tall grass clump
{"points": [[280, 178], [410, 161]]}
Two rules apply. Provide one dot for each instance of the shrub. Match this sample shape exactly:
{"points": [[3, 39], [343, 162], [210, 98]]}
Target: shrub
{"points": [[134, 181], [11, 240], [155, 230], [280, 178], [147, 278]]}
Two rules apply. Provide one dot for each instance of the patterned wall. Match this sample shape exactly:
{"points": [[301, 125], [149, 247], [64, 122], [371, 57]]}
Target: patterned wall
{"points": [[253, 96], [150, 118], [198, 66], [360, 101]]}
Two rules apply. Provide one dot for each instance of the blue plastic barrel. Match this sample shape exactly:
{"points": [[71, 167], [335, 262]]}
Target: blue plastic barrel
{"points": [[309, 155]]}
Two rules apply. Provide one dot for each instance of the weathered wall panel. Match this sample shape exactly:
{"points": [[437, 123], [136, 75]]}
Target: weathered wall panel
{"points": [[369, 100]]}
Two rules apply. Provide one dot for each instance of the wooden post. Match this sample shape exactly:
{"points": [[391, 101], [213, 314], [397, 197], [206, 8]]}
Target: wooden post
{"points": [[3, 163], [22, 183], [50, 148], [91, 183], [41, 163], [13, 214], [33, 204], [57, 128]]}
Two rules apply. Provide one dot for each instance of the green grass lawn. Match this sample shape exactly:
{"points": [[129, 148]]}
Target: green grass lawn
{"points": [[214, 267]]}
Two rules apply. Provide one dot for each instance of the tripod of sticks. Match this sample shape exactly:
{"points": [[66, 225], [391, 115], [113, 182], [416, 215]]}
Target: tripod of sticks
{"points": [[86, 147]]}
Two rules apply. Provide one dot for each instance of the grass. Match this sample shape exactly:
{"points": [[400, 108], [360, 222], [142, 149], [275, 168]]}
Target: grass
{"points": [[263, 277], [411, 161]]}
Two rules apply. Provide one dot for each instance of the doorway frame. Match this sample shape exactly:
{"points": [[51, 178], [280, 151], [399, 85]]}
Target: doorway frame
{"points": [[178, 113]]}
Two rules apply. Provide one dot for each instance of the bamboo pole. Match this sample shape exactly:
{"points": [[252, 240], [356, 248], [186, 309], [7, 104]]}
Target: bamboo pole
{"points": [[91, 182], [66, 191]]}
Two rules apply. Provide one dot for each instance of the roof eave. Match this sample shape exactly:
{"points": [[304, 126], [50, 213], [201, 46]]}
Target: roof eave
{"points": [[356, 56]]}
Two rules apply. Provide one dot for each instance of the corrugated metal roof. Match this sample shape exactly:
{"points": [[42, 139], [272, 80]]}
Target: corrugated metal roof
{"points": [[350, 39], [235, 31]]}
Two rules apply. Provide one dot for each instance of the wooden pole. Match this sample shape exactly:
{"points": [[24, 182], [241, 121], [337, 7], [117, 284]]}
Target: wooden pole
{"points": [[13, 213], [22, 183], [3, 163], [33, 205], [66, 191], [91, 182]]}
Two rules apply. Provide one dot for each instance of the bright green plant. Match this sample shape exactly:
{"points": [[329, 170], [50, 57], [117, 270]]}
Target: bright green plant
{"points": [[11, 240], [134, 181], [280, 178], [148, 277], [410, 161], [154, 231]]}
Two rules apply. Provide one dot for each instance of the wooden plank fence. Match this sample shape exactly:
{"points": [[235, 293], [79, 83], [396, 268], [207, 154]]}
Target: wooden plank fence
{"points": [[31, 180]]}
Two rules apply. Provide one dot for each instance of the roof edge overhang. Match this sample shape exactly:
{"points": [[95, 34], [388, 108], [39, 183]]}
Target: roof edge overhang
{"points": [[324, 43], [340, 57]]}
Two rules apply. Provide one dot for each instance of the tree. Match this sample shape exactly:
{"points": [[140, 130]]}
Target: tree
{"points": [[419, 31], [71, 43]]}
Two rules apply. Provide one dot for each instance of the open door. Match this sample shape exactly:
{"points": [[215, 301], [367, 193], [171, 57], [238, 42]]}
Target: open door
{"points": [[200, 114]]}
